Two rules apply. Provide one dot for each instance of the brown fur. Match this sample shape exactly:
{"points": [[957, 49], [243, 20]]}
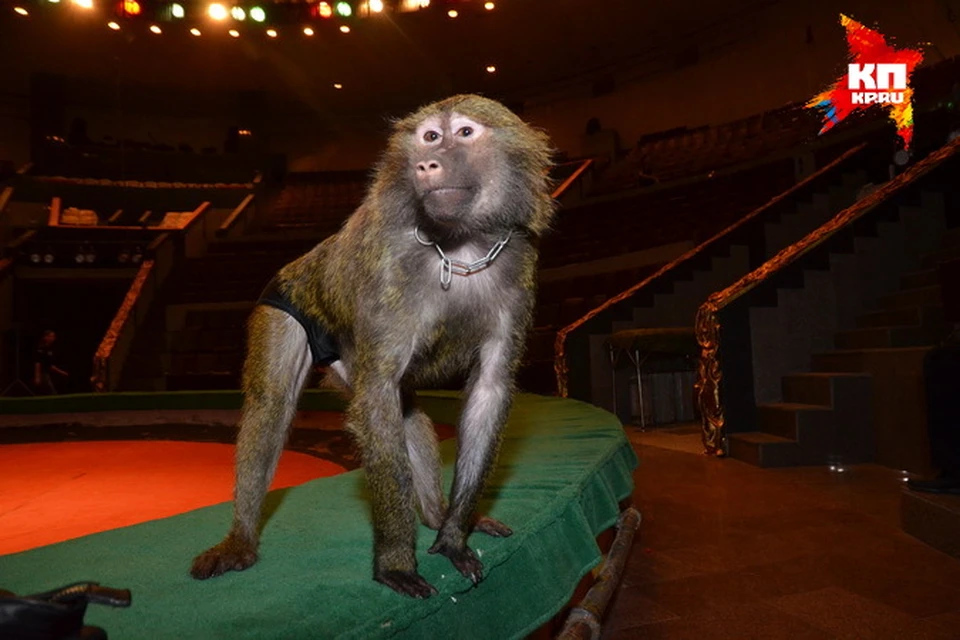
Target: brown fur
{"points": [[376, 288]]}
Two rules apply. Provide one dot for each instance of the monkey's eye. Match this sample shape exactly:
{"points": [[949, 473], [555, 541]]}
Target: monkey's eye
{"points": [[465, 132], [431, 136]]}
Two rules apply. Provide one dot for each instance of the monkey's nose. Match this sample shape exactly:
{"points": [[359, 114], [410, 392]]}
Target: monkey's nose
{"points": [[430, 167]]}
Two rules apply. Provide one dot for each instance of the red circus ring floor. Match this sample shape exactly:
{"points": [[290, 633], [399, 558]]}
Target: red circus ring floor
{"points": [[55, 490]]}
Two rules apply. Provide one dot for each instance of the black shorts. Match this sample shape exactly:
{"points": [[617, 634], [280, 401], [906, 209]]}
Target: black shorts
{"points": [[323, 346]]}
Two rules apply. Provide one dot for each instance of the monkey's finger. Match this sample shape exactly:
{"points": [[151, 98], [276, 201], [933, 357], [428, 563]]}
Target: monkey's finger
{"points": [[408, 583], [229, 555], [464, 559], [492, 527]]}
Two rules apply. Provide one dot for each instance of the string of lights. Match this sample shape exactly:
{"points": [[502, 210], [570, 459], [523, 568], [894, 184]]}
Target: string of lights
{"points": [[271, 17]]}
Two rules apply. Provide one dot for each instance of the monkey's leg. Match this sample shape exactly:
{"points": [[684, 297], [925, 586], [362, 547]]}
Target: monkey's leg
{"points": [[489, 397], [375, 417], [422, 447], [278, 362], [424, 454]]}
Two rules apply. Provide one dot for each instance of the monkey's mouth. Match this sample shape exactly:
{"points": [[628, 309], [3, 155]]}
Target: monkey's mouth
{"points": [[447, 203]]}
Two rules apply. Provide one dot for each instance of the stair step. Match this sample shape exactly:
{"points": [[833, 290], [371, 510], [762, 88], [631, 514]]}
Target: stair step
{"points": [[793, 421], [931, 260], [854, 360], [929, 296], [881, 337], [764, 450], [923, 278], [816, 388], [902, 317], [951, 238]]}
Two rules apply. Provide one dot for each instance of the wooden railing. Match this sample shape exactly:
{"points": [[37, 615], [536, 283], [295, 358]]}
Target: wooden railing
{"points": [[708, 321], [237, 219], [571, 179], [112, 352], [756, 217]]}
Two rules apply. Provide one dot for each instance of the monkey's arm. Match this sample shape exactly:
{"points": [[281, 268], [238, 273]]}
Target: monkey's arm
{"points": [[489, 397], [375, 417]]}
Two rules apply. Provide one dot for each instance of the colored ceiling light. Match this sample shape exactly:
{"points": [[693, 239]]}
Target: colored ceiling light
{"points": [[237, 13], [177, 10], [257, 14], [324, 10], [344, 9]]}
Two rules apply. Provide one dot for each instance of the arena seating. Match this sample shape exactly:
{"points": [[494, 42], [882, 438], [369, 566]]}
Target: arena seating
{"points": [[321, 200]]}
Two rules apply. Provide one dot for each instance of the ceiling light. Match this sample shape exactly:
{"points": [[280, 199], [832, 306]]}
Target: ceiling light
{"points": [[489, 6], [114, 26], [344, 29], [234, 33], [337, 85], [491, 69], [85, 4], [177, 10], [344, 9], [376, 6], [453, 13], [271, 33], [324, 10], [217, 11], [257, 14], [195, 32], [154, 28], [238, 13], [21, 11], [308, 31]]}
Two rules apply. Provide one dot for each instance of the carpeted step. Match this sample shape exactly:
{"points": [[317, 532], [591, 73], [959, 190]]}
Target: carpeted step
{"points": [[802, 423], [819, 388], [951, 238], [881, 337], [922, 278], [934, 258], [764, 450], [902, 317], [929, 296], [855, 360], [932, 518]]}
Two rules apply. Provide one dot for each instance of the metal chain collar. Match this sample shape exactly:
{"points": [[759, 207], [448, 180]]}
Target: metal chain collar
{"points": [[449, 267]]}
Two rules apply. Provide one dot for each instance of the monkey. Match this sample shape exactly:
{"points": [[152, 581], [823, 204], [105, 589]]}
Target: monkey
{"points": [[433, 276]]}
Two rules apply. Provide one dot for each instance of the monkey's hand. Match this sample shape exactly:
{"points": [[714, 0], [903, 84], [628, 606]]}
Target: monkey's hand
{"points": [[462, 557], [233, 554], [492, 527], [408, 583]]}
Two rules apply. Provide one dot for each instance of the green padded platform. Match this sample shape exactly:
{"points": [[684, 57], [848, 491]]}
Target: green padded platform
{"points": [[564, 467]]}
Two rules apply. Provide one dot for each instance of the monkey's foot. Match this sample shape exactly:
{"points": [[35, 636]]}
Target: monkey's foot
{"points": [[492, 527], [463, 558], [408, 583], [230, 555]]}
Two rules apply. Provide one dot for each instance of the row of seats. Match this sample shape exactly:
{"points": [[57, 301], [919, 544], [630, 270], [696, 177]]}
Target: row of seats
{"points": [[659, 217]]}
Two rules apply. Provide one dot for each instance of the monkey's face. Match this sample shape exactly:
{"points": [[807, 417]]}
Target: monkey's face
{"points": [[456, 172]]}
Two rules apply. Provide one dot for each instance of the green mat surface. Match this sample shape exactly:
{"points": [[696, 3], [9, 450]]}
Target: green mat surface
{"points": [[564, 467]]}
